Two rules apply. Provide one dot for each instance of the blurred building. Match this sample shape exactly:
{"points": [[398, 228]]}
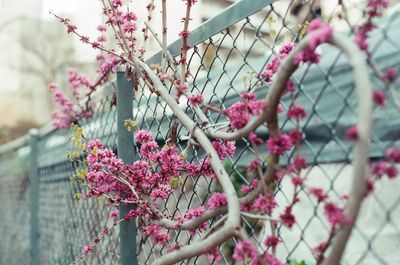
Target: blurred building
{"points": [[34, 52], [35, 49]]}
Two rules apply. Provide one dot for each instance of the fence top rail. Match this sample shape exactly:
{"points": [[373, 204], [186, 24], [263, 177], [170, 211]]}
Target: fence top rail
{"points": [[14, 144], [228, 17]]}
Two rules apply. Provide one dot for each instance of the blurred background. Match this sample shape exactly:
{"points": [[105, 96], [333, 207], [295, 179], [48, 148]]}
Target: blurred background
{"points": [[36, 50]]}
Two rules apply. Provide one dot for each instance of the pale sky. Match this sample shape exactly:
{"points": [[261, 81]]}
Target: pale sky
{"points": [[58, 6]]}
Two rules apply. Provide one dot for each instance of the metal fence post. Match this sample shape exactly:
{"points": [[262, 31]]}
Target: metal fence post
{"points": [[34, 198], [126, 152]]}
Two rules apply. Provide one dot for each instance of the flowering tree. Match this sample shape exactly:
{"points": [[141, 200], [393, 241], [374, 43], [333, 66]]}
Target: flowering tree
{"points": [[153, 178]]}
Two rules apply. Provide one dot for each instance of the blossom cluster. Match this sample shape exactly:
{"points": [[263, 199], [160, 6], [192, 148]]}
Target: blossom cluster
{"points": [[240, 113], [151, 180], [324, 33], [374, 9]]}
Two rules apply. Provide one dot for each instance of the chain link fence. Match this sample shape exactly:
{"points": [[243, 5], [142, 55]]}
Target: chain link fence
{"points": [[227, 56]]}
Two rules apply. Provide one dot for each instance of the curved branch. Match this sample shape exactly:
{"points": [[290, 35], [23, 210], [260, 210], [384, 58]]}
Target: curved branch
{"points": [[269, 116], [365, 106], [233, 221]]}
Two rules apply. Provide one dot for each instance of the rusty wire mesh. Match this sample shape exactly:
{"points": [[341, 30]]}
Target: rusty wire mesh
{"points": [[223, 66]]}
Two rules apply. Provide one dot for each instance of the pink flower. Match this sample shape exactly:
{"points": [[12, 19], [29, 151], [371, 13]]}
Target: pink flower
{"points": [[391, 74], [253, 185], [334, 213], [193, 213], [320, 248], [214, 256], [109, 65], [217, 200], [238, 115], [173, 247], [148, 148], [116, 3], [306, 56], [296, 112], [102, 28], [224, 149], [244, 249], [87, 249], [92, 144], [270, 70], [272, 260], [164, 77], [100, 39], [297, 180], [378, 3], [324, 33], [196, 100], [114, 214], [190, 2], [272, 241], [296, 136], [130, 27], [280, 144], [352, 133], [253, 165], [392, 172], [143, 136], [254, 139], [157, 234], [393, 154], [319, 194], [264, 204], [369, 184], [71, 28], [379, 98], [290, 86], [286, 49], [381, 168], [184, 34], [64, 117], [288, 218], [299, 163], [161, 192]]}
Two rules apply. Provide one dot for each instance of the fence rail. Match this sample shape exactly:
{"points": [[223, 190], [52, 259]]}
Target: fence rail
{"points": [[228, 51]]}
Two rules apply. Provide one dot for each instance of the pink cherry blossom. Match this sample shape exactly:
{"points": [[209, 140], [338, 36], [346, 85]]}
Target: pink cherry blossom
{"points": [[352, 133], [244, 249], [334, 213], [391, 74], [393, 154], [272, 241], [379, 98], [272, 260], [280, 144], [296, 112], [87, 249], [143, 136], [288, 218], [217, 199], [319, 194], [157, 234], [264, 204], [196, 100]]}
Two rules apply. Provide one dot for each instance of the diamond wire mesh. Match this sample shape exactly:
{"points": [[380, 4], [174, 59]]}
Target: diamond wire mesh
{"points": [[14, 207], [67, 225], [221, 68]]}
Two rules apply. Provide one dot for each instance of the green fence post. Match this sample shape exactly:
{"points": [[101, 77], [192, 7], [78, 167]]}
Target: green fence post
{"points": [[126, 152], [34, 198]]}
